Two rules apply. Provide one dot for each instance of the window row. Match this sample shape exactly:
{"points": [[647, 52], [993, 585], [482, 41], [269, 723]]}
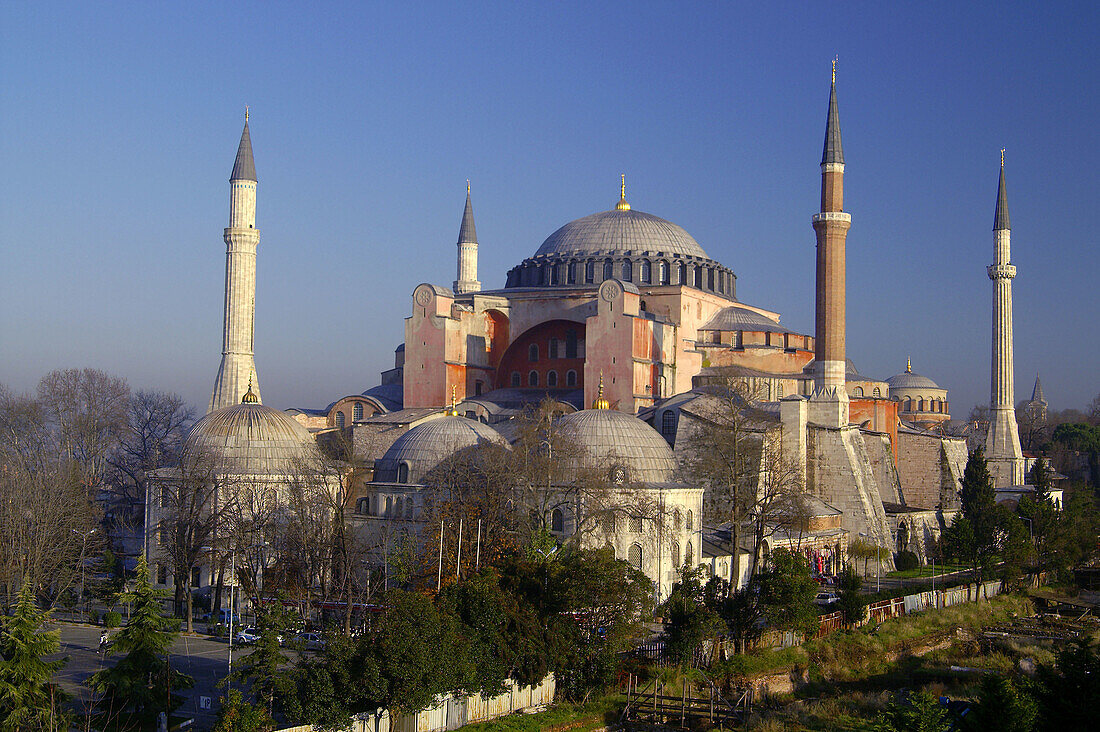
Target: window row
{"points": [[552, 381], [569, 347], [387, 506], [645, 271]]}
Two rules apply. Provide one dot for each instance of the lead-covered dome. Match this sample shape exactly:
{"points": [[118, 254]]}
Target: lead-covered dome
{"points": [[621, 231], [250, 439], [425, 447], [614, 439], [909, 380]]}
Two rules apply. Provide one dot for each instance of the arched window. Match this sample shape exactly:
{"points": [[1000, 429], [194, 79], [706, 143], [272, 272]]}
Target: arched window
{"points": [[876, 392], [589, 271], [662, 272], [689, 554], [858, 391], [533, 378], [362, 506], [636, 524], [570, 343], [676, 520], [553, 350], [340, 419], [533, 353], [627, 271], [608, 269], [402, 474], [681, 274], [570, 378], [710, 278], [552, 378], [920, 404], [557, 521], [572, 277], [668, 424], [690, 521], [646, 271], [908, 405], [634, 556], [357, 411], [552, 273], [675, 555], [516, 379], [697, 277]]}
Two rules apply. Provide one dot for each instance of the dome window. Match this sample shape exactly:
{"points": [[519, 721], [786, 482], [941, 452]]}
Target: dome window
{"points": [[647, 271], [608, 269], [662, 271], [357, 412], [572, 277], [876, 392], [340, 419], [628, 271], [402, 474], [589, 271]]}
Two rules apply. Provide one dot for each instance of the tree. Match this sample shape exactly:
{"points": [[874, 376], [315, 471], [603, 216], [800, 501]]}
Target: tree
{"points": [[1068, 690], [237, 715], [918, 712], [1003, 703], [688, 619], [787, 589], [725, 448], [142, 682], [852, 603], [979, 502], [28, 699], [1085, 439], [264, 667]]}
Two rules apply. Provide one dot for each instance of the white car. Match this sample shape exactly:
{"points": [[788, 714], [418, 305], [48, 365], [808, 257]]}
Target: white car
{"points": [[826, 598], [309, 641], [250, 635]]}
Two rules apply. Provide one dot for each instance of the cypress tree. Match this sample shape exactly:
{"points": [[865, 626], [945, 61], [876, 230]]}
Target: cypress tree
{"points": [[979, 501], [28, 700]]}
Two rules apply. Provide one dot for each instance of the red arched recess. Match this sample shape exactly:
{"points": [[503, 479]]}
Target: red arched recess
{"points": [[560, 346], [496, 336]]}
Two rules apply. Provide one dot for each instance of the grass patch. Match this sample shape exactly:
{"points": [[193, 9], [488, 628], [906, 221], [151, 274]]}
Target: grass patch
{"points": [[559, 718], [926, 571]]}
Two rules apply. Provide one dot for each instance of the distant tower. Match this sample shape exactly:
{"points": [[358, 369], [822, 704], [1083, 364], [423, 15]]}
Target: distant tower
{"points": [[238, 368], [1002, 445], [467, 251], [1038, 404], [831, 226]]}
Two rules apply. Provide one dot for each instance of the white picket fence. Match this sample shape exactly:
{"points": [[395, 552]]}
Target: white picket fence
{"points": [[451, 712]]}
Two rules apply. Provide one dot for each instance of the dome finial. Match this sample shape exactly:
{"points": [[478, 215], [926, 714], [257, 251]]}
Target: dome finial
{"points": [[835, 59], [250, 396], [1002, 158], [908, 365], [601, 402], [453, 411], [622, 205], [246, 113]]}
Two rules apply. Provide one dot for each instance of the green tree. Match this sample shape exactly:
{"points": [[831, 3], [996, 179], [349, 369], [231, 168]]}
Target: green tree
{"points": [[852, 602], [237, 715], [918, 712], [787, 589], [1068, 690], [143, 680], [1003, 703], [1082, 438], [957, 541], [688, 618], [28, 699], [1014, 544], [979, 502], [265, 668]]}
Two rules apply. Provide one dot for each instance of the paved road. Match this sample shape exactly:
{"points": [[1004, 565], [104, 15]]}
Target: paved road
{"points": [[201, 657]]}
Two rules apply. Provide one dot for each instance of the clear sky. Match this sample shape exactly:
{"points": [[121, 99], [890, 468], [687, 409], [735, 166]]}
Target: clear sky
{"points": [[119, 124]]}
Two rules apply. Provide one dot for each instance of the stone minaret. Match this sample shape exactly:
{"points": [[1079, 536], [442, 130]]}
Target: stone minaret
{"points": [[830, 407], [1002, 445], [467, 251], [238, 368]]}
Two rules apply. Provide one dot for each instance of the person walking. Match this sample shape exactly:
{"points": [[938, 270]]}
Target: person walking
{"points": [[104, 638]]}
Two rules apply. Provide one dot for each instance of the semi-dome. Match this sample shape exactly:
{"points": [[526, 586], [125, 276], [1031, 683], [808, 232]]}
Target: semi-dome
{"points": [[621, 231], [619, 440], [741, 318], [250, 439], [425, 447]]}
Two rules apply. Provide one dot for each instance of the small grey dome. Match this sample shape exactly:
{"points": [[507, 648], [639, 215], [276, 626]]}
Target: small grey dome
{"points": [[613, 437], [621, 231], [250, 439], [738, 318], [909, 380], [426, 446]]}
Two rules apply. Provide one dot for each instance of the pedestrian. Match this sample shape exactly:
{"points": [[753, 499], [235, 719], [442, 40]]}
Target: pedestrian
{"points": [[104, 637]]}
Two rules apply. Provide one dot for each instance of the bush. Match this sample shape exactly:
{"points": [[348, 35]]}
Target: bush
{"points": [[906, 560], [93, 617], [112, 619]]}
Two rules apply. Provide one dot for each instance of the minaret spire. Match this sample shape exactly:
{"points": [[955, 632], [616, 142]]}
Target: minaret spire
{"points": [[467, 250], [1002, 444], [237, 373], [830, 400]]}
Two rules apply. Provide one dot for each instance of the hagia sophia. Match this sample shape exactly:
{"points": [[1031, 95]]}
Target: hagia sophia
{"points": [[623, 320]]}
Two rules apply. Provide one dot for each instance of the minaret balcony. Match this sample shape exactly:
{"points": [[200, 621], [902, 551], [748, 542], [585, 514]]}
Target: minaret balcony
{"points": [[1001, 271], [832, 216]]}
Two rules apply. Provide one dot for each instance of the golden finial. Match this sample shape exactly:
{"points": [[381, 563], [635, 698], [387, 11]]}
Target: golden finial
{"points": [[250, 396], [835, 59], [1002, 157], [453, 411], [601, 402], [622, 205], [908, 366], [246, 113], [467, 186]]}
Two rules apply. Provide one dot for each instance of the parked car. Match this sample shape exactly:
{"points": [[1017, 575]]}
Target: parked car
{"points": [[247, 635], [309, 641], [826, 599]]}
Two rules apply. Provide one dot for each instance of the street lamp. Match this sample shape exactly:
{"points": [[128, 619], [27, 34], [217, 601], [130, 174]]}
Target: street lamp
{"points": [[83, 548]]}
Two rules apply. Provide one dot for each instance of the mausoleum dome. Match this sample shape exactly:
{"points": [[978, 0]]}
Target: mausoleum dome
{"points": [[425, 447], [615, 439], [249, 439]]}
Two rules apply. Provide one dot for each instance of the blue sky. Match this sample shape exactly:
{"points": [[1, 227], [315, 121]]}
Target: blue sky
{"points": [[119, 123]]}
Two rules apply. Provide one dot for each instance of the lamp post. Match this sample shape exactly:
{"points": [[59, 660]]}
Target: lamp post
{"points": [[83, 548]]}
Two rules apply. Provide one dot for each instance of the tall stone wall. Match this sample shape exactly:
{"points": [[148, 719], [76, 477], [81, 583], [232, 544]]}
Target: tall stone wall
{"points": [[930, 468], [883, 467], [839, 471]]}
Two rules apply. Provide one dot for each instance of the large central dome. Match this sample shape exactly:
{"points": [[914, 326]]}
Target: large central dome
{"points": [[621, 231]]}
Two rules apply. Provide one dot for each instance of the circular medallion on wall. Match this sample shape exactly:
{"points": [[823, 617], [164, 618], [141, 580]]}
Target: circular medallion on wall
{"points": [[423, 295], [610, 290]]}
